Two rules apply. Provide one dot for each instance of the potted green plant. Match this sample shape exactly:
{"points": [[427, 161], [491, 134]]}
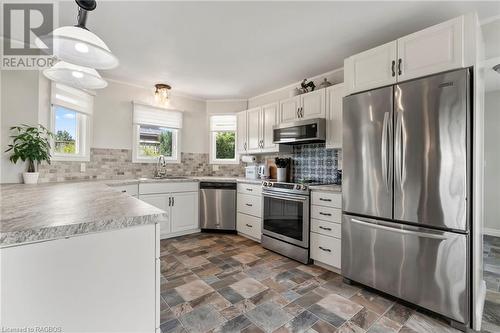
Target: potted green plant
{"points": [[31, 144]]}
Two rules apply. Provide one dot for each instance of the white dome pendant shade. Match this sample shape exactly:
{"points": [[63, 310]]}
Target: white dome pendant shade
{"points": [[78, 45], [75, 76], [81, 47]]}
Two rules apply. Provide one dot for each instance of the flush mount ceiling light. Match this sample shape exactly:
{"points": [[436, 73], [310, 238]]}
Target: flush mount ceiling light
{"points": [[75, 76], [162, 93], [77, 44]]}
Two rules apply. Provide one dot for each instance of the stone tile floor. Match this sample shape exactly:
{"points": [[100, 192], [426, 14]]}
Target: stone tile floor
{"points": [[227, 283]]}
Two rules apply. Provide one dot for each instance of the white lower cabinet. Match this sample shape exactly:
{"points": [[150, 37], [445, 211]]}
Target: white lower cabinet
{"points": [[249, 211], [326, 249], [249, 225], [326, 228], [99, 282], [184, 211], [179, 200]]}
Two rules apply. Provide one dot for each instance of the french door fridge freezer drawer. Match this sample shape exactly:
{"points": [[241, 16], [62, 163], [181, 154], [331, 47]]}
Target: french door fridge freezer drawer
{"points": [[422, 266]]}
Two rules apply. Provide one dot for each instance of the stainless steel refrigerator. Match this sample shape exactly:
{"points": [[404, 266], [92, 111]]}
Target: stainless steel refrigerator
{"points": [[406, 192]]}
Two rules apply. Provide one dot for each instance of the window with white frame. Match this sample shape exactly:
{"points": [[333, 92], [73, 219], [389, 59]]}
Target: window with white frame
{"points": [[223, 139], [71, 114], [157, 132]]}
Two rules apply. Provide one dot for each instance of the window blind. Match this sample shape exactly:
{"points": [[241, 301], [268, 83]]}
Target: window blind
{"points": [[223, 123], [150, 115], [72, 98]]}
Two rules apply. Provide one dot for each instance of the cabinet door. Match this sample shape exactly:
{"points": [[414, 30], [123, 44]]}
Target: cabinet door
{"points": [[436, 49], [334, 119], [371, 69], [289, 109], [160, 201], [184, 214], [313, 104], [269, 119], [254, 130], [241, 132]]}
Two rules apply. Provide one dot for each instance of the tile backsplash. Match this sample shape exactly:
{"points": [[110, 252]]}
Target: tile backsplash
{"points": [[317, 163], [313, 161], [117, 164]]}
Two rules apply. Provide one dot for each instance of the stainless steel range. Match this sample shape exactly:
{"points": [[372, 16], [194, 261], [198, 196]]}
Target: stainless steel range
{"points": [[285, 215]]}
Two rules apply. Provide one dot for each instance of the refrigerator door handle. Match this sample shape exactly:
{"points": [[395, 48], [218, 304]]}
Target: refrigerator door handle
{"points": [[398, 160], [401, 231], [384, 150]]}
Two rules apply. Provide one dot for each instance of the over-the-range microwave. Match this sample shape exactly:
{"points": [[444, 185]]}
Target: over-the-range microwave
{"points": [[300, 132]]}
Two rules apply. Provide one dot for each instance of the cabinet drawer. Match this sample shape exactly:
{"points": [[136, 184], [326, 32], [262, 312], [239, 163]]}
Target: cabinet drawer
{"points": [[327, 199], [165, 187], [326, 214], [249, 225], [326, 228], [326, 249], [253, 189], [249, 204], [129, 189]]}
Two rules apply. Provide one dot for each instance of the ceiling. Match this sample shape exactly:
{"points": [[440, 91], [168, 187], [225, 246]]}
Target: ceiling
{"points": [[221, 50]]}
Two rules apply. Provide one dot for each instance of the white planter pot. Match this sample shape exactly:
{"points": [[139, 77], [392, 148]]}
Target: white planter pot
{"points": [[30, 177], [281, 174]]}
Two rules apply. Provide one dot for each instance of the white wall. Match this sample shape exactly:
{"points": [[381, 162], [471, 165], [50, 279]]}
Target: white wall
{"points": [[226, 106], [19, 105], [492, 165]]}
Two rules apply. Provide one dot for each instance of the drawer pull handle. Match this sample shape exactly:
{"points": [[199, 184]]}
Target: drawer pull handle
{"points": [[249, 189], [249, 205], [323, 199], [328, 229], [249, 225], [325, 214], [323, 249], [124, 191]]}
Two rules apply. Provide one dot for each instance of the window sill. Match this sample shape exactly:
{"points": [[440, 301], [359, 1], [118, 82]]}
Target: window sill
{"points": [[154, 160], [221, 162], [77, 158]]}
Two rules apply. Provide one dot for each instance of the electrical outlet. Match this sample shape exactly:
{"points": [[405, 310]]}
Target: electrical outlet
{"points": [[215, 167], [83, 167]]}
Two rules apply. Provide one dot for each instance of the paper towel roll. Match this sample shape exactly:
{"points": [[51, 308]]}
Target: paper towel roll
{"points": [[248, 159]]}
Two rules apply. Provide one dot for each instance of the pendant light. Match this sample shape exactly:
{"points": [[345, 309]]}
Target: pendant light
{"points": [[76, 76], [78, 45]]}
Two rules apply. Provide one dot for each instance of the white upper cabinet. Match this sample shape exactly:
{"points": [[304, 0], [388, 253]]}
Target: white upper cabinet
{"points": [[313, 105], [442, 47], [241, 132], [432, 50], [184, 211], [334, 95], [269, 119], [372, 68], [254, 128], [289, 109]]}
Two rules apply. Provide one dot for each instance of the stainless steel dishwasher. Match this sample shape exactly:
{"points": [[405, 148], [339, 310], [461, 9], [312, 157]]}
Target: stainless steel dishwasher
{"points": [[218, 206]]}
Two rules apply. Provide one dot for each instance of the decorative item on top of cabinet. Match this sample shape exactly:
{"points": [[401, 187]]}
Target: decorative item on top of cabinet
{"points": [[307, 86], [324, 84], [439, 48], [334, 95]]}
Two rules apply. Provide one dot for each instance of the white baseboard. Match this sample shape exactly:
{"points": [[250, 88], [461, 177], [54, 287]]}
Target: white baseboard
{"points": [[180, 233], [328, 267], [491, 232]]}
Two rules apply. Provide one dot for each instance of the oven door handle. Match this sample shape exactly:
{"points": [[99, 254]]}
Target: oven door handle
{"points": [[289, 197]]}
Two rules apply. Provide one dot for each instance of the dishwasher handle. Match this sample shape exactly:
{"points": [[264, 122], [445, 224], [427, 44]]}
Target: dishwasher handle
{"points": [[217, 186]]}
